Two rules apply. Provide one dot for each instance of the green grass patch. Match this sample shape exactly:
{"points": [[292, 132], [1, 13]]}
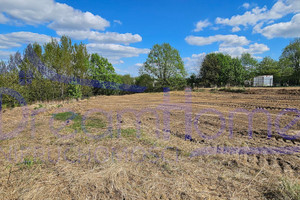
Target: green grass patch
{"points": [[76, 120], [29, 162]]}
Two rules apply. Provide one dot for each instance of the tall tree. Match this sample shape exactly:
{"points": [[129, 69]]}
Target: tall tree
{"points": [[291, 58], [165, 65], [269, 66], [102, 70], [250, 64], [218, 69], [146, 81], [210, 70]]}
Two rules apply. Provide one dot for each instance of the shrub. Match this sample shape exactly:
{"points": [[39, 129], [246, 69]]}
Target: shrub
{"points": [[74, 91]]}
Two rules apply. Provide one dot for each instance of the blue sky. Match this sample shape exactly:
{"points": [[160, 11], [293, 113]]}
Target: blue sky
{"points": [[125, 31]]}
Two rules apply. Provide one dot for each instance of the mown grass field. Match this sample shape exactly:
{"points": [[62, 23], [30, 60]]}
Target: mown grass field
{"points": [[108, 158]]}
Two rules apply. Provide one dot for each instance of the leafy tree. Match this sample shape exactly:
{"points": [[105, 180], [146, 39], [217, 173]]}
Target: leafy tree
{"points": [[103, 71], [287, 71], [268, 66], [210, 70], [192, 81], [291, 58], [74, 90], [227, 74], [250, 64], [127, 79], [165, 65], [239, 72], [146, 81], [219, 69]]}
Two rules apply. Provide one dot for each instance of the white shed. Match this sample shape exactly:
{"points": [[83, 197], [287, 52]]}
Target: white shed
{"points": [[260, 81]]}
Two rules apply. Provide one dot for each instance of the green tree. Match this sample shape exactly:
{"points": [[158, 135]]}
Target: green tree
{"points": [[291, 58], [165, 65], [218, 69], [192, 81], [250, 64], [146, 81], [239, 72], [210, 70], [127, 79], [287, 71], [74, 90], [269, 66], [103, 71]]}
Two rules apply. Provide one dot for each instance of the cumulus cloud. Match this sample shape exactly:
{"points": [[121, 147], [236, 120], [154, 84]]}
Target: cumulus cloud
{"points": [[246, 5], [58, 16], [253, 49], [236, 29], [65, 20], [108, 37], [114, 52], [280, 9], [201, 24], [283, 29], [17, 39], [225, 40], [192, 64]]}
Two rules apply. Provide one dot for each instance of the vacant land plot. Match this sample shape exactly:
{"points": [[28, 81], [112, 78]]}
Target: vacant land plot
{"points": [[90, 149]]}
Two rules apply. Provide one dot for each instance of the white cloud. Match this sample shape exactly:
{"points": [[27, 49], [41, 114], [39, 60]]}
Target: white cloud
{"points": [[5, 54], [246, 5], [58, 16], [215, 28], [192, 64], [226, 40], [108, 37], [17, 39], [3, 19], [284, 29], [118, 22], [65, 20], [279, 10], [236, 29], [121, 71], [115, 52], [201, 24], [139, 64], [253, 49]]}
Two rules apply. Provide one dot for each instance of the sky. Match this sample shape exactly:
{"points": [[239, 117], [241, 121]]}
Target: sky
{"points": [[125, 31]]}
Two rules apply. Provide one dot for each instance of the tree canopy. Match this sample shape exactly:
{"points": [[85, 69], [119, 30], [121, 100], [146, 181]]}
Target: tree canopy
{"points": [[165, 66]]}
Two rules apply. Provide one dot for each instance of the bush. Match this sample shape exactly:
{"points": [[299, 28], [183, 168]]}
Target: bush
{"points": [[74, 90]]}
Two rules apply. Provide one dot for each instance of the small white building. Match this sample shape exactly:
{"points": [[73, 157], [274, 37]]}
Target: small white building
{"points": [[261, 81]]}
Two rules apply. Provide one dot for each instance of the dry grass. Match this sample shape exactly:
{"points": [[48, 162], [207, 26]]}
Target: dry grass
{"points": [[147, 167]]}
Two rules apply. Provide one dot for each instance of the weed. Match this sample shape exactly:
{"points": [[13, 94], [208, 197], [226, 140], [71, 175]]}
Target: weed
{"points": [[38, 107], [287, 190], [29, 162]]}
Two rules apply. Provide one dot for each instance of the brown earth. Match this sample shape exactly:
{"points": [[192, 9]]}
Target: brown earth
{"points": [[152, 166]]}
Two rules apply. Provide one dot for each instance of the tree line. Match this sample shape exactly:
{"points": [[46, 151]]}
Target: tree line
{"points": [[218, 69], [163, 68]]}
